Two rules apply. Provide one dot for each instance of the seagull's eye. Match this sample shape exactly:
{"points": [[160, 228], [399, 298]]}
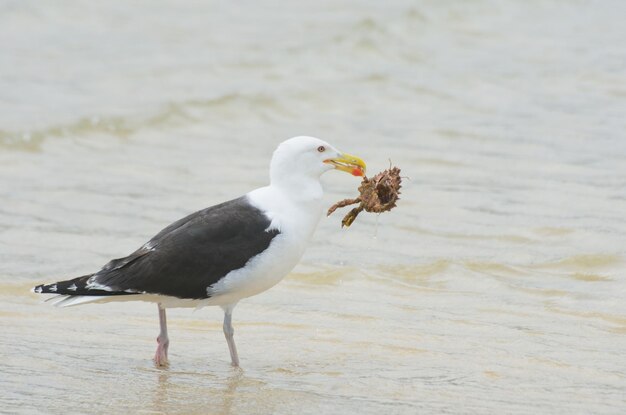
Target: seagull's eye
{"points": [[321, 149]]}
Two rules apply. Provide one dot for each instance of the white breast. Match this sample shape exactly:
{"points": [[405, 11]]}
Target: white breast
{"points": [[296, 221]]}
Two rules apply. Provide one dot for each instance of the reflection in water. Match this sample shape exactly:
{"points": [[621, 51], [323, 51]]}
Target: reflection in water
{"points": [[227, 392], [217, 398], [160, 395], [219, 393]]}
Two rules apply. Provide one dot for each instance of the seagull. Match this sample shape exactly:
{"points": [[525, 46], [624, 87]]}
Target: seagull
{"points": [[224, 253]]}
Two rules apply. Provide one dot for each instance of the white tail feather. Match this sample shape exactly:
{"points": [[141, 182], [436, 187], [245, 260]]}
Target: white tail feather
{"points": [[62, 300], [72, 300]]}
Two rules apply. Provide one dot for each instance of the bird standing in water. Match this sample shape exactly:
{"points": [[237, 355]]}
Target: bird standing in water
{"points": [[224, 253]]}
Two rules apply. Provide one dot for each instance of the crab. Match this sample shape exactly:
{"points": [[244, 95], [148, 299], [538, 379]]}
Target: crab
{"points": [[378, 194]]}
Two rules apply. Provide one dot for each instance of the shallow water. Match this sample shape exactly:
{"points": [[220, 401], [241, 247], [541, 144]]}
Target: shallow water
{"points": [[497, 286]]}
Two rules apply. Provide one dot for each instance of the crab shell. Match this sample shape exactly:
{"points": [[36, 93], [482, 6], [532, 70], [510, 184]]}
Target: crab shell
{"points": [[380, 193]]}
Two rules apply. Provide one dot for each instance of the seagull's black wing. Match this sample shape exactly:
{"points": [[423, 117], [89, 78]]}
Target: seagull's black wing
{"points": [[183, 259]]}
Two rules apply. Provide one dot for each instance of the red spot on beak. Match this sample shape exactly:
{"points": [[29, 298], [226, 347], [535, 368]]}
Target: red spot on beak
{"points": [[357, 172]]}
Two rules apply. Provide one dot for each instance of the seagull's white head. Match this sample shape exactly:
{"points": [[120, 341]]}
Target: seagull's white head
{"points": [[303, 157]]}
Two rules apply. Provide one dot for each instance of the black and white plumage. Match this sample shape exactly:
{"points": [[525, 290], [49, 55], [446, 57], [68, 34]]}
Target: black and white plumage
{"points": [[224, 253]]}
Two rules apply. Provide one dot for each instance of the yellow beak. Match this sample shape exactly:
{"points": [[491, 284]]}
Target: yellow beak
{"points": [[349, 163]]}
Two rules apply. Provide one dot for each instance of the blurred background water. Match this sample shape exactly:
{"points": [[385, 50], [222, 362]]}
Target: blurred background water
{"points": [[497, 285]]}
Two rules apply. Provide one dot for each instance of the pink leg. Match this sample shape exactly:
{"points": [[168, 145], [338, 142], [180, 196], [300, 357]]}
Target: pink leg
{"points": [[160, 357], [229, 333]]}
